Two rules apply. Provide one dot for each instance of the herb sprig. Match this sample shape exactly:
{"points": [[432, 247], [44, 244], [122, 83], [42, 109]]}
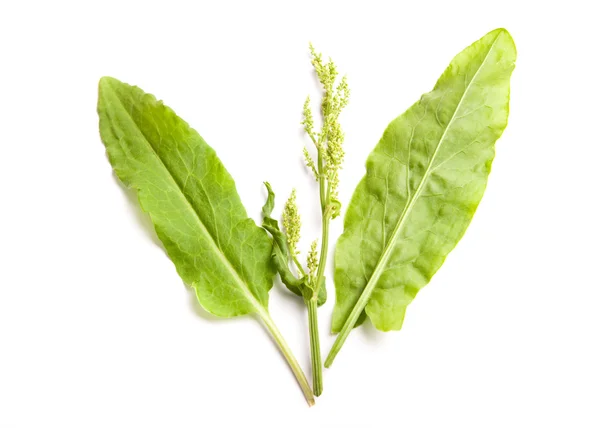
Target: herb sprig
{"points": [[424, 181], [328, 142]]}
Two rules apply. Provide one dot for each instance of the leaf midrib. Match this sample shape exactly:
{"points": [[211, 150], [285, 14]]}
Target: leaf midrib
{"points": [[222, 257], [381, 263]]}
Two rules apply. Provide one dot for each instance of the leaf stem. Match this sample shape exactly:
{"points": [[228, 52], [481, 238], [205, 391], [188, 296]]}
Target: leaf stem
{"points": [[315, 347], [298, 265], [348, 325], [325, 217], [315, 344], [322, 192], [287, 353]]}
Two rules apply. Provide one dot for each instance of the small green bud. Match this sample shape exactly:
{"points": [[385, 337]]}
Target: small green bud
{"points": [[307, 120], [313, 259], [292, 222], [310, 163]]}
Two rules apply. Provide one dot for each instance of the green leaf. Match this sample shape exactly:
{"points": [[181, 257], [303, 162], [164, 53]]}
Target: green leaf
{"points": [[281, 254], [424, 181], [190, 197], [307, 291], [336, 208], [194, 206], [322, 292]]}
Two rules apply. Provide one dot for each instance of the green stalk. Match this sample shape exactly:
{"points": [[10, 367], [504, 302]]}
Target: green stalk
{"points": [[315, 345], [287, 353], [329, 157], [298, 265], [347, 328]]}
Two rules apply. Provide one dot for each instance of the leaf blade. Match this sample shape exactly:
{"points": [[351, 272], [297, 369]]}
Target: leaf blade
{"points": [[412, 203], [190, 197]]}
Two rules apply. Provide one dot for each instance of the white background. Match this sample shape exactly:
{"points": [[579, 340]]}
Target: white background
{"points": [[97, 329]]}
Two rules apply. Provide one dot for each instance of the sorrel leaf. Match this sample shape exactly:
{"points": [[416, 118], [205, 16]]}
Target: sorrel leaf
{"points": [[193, 203], [191, 199], [424, 181]]}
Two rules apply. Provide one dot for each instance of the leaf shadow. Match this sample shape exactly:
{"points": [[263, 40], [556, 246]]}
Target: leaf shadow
{"points": [[197, 308], [369, 333], [372, 337], [287, 295]]}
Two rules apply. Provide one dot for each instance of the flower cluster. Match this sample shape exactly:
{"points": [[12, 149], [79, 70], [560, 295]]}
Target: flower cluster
{"points": [[329, 141], [313, 260], [292, 223]]}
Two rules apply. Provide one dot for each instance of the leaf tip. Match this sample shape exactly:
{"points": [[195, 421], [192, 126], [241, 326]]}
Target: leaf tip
{"points": [[508, 42], [500, 30], [504, 33], [106, 81]]}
